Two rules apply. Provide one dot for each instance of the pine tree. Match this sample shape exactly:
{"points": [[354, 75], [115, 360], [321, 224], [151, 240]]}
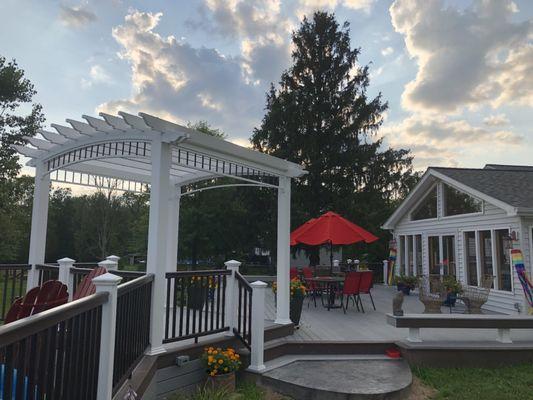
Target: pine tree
{"points": [[322, 118]]}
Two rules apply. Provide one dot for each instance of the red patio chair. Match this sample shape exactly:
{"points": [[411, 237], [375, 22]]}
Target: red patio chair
{"points": [[366, 286], [41, 298], [86, 286], [313, 289], [351, 288], [293, 273]]}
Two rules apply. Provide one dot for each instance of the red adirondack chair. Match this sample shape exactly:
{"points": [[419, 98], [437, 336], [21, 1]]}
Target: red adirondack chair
{"points": [[86, 286], [41, 298]]}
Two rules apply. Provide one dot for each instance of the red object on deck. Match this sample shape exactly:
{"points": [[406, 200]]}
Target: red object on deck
{"points": [[330, 228], [86, 286], [41, 298], [393, 353]]}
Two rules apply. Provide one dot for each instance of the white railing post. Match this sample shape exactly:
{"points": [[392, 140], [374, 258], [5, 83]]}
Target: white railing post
{"points": [[64, 274], [258, 326], [113, 259], [231, 295], [107, 283], [108, 265], [386, 272]]}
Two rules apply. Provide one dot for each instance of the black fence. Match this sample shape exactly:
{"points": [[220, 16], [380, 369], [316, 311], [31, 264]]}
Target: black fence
{"points": [[132, 336], [13, 284], [377, 271], [243, 330], [47, 272], [54, 354], [195, 304]]}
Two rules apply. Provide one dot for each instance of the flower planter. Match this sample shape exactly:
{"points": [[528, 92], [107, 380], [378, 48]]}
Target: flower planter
{"points": [[196, 297], [223, 382], [295, 311], [451, 298], [404, 288]]}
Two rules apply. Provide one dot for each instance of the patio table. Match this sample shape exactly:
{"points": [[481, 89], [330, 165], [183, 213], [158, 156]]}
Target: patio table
{"points": [[331, 284]]}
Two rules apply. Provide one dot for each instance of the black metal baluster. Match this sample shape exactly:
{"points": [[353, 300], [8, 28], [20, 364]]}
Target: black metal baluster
{"points": [[182, 304]]}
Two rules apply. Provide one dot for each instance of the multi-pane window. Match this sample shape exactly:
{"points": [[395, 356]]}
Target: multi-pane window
{"points": [[427, 208], [471, 258], [456, 202], [503, 259], [485, 251], [418, 242], [401, 255], [434, 261], [448, 256], [409, 265]]}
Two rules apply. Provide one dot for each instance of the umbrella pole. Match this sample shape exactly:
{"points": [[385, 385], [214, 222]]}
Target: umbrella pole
{"points": [[331, 258]]}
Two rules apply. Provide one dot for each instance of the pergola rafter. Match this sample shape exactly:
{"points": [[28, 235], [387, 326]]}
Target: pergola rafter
{"points": [[132, 152]]}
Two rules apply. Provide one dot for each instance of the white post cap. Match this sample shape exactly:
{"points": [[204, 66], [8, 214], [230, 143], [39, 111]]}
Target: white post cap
{"points": [[66, 260], [113, 258], [258, 285], [232, 264], [107, 279], [108, 264]]}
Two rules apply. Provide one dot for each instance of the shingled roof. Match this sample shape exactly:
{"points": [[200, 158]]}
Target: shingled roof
{"points": [[511, 184]]}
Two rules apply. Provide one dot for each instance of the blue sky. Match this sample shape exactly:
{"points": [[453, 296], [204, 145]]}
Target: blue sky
{"points": [[458, 75]]}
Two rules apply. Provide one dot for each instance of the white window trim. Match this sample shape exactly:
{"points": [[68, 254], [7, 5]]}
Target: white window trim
{"points": [[495, 264]]}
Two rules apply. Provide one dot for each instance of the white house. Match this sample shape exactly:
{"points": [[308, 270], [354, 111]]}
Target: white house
{"points": [[463, 221]]}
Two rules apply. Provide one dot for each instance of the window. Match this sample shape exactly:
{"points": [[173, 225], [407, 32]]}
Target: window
{"points": [[401, 255], [456, 202], [485, 250], [409, 265], [471, 259], [503, 260], [434, 261], [448, 258], [427, 208], [418, 239]]}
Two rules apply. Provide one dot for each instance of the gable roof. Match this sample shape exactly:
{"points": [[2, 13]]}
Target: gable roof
{"points": [[509, 187]]}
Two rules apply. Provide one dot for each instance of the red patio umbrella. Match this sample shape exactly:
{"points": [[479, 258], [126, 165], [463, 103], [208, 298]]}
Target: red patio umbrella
{"points": [[330, 228]]}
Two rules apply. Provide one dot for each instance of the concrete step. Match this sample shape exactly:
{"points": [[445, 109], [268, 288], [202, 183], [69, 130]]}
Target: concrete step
{"points": [[346, 377]]}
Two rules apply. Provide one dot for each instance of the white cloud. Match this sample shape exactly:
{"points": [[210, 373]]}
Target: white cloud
{"points": [[76, 16], [97, 75], [387, 51], [261, 27], [466, 58], [496, 120], [306, 7], [175, 80], [438, 140]]}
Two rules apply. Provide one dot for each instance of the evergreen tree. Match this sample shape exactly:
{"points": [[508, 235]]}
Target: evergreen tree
{"points": [[322, 118]]}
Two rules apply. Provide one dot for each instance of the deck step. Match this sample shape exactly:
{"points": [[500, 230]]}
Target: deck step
{"points": [[350, 377]]}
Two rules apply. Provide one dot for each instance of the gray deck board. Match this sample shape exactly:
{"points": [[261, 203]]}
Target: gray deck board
{"points": [[320, 324]]}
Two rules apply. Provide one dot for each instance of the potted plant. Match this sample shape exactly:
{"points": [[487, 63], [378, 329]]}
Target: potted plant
{"points": [[453, 288], [297, 291], [406, 283], [220, 367]]}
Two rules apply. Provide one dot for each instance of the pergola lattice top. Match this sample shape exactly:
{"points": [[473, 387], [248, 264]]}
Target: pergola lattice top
{"points": [[119, 147]]}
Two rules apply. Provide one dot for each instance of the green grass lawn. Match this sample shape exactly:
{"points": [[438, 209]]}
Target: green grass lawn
{"points": [[505, 383]]}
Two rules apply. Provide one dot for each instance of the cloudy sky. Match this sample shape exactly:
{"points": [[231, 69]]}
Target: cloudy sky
{"points": [[458, 74]]}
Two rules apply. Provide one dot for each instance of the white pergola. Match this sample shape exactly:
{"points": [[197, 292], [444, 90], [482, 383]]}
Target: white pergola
{"points": [[146, 150]]}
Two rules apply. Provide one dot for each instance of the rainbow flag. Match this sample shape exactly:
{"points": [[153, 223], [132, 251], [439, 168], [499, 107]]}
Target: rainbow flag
{"points": [[392, 264], [517, 259]]}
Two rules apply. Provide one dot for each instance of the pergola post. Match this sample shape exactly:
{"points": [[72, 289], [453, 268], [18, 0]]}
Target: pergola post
{"points": [[161, 158], [173, 227], [283, 258], [39, 220]]}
